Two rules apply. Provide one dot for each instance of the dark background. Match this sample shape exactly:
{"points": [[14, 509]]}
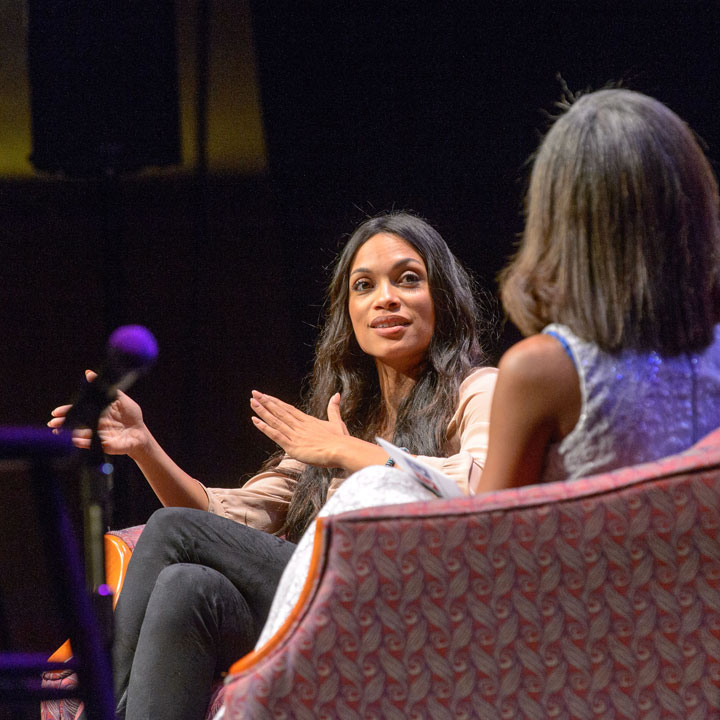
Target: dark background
{"points": [[432, 107]]}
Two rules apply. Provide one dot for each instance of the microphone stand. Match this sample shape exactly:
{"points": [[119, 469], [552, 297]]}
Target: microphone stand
{"points": [[96, 493], [131, 350]]}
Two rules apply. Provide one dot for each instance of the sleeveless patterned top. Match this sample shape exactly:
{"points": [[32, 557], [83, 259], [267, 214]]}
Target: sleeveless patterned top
{"points": [[636, 407]]}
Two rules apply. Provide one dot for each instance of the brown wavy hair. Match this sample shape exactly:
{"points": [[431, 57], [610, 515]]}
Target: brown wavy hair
{"points": [[341, 366], [622, 238]]}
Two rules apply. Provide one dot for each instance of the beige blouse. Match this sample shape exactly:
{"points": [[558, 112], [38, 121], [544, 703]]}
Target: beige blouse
{"points": [[262, 502]]}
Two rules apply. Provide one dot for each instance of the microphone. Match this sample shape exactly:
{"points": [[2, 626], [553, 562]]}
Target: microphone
{"points": [[130, 351]]}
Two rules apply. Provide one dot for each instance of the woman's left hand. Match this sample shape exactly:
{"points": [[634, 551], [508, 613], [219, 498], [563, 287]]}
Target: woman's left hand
{"points": [[302, 436]]}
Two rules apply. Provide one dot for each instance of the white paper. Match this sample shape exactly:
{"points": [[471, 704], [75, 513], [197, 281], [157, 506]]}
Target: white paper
{"points": [[437, 483]]}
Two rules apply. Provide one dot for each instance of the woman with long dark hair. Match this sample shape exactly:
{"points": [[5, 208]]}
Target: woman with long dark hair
{"points": [[398, 357]]}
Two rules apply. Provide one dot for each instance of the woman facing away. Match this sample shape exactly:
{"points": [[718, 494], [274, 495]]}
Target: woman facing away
{"points": [[617, 283], [398, 357]]}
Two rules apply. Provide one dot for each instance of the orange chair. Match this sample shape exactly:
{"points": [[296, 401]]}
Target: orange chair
{"points": [[119, 545], [118, 549]]}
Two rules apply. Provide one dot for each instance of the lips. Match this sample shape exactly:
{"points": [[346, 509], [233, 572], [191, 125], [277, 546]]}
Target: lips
{"points": [[389, 321]]}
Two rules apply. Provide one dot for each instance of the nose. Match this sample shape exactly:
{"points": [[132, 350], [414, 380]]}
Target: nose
{"points": [[387, 297]]}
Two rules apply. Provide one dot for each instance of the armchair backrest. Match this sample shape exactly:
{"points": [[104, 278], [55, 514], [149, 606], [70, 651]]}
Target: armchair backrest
{"points": [[593, 598]]}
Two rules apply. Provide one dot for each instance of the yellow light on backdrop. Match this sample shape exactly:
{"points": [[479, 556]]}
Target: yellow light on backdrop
{"points": [[235, 142]]}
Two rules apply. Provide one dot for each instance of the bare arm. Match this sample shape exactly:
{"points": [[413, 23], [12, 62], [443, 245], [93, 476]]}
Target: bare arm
{"points": [[173, 486], [122, 431], [536, 402]]}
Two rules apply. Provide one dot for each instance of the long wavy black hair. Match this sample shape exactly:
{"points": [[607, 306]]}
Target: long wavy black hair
{"points": [[341, 366]]}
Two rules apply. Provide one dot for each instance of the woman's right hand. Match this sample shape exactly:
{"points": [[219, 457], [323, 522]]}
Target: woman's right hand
{"points": [[121, 428]]}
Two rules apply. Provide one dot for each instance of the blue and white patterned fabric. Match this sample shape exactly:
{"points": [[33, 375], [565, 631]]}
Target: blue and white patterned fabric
{"points": [[636, 407]]}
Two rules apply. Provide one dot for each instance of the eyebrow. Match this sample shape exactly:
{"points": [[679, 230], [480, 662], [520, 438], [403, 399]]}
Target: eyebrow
{"points": [[403, 261]]}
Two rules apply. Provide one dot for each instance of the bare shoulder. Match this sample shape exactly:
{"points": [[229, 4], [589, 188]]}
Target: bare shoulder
{"points": [[538, 359], [539, 373]]}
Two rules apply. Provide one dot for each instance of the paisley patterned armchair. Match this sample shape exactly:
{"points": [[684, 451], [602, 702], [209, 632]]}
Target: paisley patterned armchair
{"points": [[594, 598]]}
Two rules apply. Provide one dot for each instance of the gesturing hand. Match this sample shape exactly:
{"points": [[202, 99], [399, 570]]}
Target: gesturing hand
{"points": [[121, 428], [302, 436]]}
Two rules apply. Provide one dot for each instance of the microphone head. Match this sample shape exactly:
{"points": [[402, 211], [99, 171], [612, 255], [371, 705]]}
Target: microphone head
{"points": [[132, 346]]}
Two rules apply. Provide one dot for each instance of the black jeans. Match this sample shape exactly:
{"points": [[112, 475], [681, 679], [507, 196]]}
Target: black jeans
{"points": [[197, 592]]}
